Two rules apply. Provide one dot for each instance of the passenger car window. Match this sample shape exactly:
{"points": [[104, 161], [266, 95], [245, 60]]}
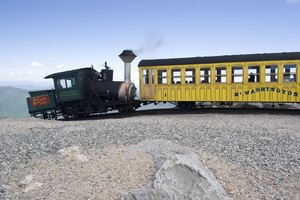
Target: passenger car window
{"points": [[289, 73], [205, 75], [152, 76], [253, 73], [146, 76], [237, 74], [271, 73], [221, 75], [190, 75], [176, 76], [162, 76]]}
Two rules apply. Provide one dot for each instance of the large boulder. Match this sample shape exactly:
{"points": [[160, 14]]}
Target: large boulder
{"points": [[179, 174]]}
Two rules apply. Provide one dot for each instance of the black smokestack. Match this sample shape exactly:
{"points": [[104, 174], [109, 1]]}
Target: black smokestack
{"points": [[127, 56]]}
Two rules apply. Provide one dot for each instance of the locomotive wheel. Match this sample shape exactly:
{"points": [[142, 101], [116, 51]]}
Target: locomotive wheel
{"points": [[53, 115], [66, 116], [126, 109], [79, 115], [131, 109], [122, 109], [45, 115]]}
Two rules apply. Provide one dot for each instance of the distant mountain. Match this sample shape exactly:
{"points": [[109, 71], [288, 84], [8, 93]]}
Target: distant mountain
{"points": [[28, 85], [13, 102]]}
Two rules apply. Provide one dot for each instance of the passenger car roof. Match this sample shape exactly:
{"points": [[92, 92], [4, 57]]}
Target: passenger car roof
{"points": [[221, 59]]}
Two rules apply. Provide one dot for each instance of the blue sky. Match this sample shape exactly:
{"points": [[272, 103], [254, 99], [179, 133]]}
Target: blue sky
{"points": [[40, 37]]}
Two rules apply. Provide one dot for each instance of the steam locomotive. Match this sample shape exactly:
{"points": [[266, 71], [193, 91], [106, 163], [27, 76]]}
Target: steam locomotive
{"points": [[85, 91]]}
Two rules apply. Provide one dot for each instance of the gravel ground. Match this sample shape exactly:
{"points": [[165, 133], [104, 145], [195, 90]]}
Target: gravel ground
{"points": [[254, 156]]}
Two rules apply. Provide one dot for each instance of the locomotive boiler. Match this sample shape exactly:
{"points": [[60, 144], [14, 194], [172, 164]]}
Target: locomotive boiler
{"points": [[117, 90]]}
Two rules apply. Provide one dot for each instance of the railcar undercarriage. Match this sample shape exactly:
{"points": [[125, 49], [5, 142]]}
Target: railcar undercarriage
{"points": [[77, 110]]}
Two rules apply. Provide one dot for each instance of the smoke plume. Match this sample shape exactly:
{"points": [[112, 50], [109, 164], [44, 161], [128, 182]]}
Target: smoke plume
{"points": [[152, 42]]}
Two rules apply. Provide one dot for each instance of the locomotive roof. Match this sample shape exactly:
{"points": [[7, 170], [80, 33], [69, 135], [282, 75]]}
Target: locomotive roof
{"points": [[221, 59], [66, 73]]}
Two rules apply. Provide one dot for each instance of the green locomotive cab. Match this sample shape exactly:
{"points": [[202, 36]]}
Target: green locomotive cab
{"points": [[71, 85], [67, 89]]}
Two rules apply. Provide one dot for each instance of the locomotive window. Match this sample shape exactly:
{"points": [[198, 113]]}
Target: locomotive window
{"points": [[190, 75], [237, 74], [61, 84], [176, 76], [271, 73], [162, 76], [253, 72], [146, 76], [221, 75], [70, 82], [289, 73], [66, 83], [205, 75]]}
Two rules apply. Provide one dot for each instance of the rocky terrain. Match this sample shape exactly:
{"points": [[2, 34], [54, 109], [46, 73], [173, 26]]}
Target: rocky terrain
{"points": [[251, 156]]}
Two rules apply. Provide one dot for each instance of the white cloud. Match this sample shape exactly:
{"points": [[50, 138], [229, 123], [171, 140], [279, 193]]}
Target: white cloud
{"points": [[11, 73], [3, 62], [36, 64], [60, 67], [292, 1], [15, 73]]}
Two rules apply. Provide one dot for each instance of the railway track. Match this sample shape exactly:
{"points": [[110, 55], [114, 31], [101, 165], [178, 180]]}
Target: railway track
{"points": [[204, 110], [219, 110]]}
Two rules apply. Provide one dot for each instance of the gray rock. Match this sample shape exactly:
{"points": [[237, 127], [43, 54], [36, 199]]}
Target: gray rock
{"points": [[180, 175]]}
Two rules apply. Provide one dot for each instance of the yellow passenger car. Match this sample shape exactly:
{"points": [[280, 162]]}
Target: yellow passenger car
{"points": [[235, 78]]}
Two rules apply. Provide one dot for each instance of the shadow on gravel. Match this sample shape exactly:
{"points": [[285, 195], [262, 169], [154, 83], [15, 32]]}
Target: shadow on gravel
{"points": [[231, 111]]}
